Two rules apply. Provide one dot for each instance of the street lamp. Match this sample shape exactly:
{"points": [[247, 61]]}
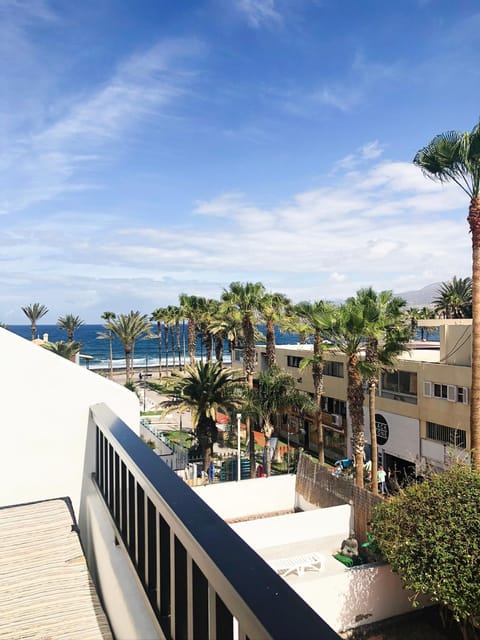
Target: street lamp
{"points": [[239, 417]]}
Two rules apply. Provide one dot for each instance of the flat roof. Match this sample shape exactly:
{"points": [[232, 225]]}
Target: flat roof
{"points": [[45, 587]]}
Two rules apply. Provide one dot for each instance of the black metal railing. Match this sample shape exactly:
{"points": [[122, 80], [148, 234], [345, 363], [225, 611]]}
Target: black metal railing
{"points": [[203, 582]]}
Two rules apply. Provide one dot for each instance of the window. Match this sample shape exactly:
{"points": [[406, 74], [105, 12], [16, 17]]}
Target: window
{"points": [[447, 435], [399, 385], [332, 368], [294, 361], [332, 405], [445, 392]]}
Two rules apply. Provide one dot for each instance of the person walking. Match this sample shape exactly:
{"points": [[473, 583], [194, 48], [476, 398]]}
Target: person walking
{"points": [[381, 480]]}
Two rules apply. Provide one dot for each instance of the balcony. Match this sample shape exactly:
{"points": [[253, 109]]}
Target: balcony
{"points": [[199, 579]]}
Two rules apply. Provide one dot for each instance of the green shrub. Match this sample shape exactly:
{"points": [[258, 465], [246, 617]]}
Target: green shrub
{"points": [[430, 535]]}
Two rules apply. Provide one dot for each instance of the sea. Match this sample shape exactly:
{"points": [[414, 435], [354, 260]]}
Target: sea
{"points": [[146, 351]]}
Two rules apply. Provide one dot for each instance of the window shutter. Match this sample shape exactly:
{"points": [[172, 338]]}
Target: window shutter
{"points": [[427, 389], [465, 395], [451, 393]]}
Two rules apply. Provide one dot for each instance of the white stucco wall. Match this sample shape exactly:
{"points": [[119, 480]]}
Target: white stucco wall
{"points": [[43, 420], [298, 527], [356, 596], [249, 497]]}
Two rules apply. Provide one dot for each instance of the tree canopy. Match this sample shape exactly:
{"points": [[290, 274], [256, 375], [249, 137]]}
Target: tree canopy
{"points": [[430, 535]]}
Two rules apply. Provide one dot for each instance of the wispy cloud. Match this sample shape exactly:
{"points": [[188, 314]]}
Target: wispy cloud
{"points": [[259, 13], [49, 161]]}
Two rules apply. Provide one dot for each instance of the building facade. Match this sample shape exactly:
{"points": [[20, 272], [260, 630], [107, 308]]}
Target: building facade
{"points": [[422, 406]]}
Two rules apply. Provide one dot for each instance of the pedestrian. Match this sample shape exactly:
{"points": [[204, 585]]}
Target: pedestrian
{"points": [[211, 472], [381, 480]]}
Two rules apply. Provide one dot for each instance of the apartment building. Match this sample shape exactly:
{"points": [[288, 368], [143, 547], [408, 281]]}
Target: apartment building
{"points": [[422, 406]]}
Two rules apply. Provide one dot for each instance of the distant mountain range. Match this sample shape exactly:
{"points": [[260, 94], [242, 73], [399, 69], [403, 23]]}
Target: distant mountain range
{"points": [[421, 297]]}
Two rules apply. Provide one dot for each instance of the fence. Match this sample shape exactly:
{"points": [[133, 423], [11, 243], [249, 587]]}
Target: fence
{"points": [[201, 579], [319, 486]]}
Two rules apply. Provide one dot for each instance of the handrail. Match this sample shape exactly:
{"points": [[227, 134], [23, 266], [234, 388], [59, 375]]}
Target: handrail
{"points": [[201, 578]]}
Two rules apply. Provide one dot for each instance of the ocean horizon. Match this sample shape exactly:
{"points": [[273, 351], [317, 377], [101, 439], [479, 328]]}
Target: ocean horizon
{"points": [[146, 351]]}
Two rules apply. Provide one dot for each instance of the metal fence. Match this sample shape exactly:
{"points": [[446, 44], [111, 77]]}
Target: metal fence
{"points": [[201, 579]]}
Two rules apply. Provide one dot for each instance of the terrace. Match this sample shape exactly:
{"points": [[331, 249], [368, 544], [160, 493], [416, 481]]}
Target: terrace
{"points": [[164, 564]]}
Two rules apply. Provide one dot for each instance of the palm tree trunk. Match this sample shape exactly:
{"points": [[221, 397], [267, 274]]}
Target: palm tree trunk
{"points": [[172, 342], [271, 354], [249, 365], [192, 341], [159, 338], [165, 341], [128, 369], [474, 222], [355, 404], [373, 434], [111, 355]]}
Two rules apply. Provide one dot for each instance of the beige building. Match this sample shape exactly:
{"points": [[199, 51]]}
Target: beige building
{"points": [[422, 407]]}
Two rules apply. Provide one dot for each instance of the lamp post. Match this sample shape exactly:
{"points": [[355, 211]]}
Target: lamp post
{"points": [[288, 448], [239, 417]]}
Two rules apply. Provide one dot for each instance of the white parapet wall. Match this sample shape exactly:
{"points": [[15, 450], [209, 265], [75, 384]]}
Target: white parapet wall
{"points": [[249, 498], [294, 528], [43, 420]]}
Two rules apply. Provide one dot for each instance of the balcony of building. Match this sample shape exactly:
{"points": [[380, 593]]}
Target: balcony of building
{"points": [[163, 563]]}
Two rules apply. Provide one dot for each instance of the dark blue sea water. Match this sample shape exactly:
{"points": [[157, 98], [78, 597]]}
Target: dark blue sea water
{"points": [[146, 351]]}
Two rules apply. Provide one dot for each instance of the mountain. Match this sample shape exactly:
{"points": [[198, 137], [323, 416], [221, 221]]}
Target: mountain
{"points": [[421, 297]]}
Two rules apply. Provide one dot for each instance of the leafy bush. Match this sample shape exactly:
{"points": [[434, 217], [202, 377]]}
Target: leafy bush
{"points": [[430, 535]]}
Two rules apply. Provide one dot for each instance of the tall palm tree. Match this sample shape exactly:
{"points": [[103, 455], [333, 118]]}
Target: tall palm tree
{"points": [[455, 157], [274, 394], [190, 308], [454, 298], [157, 317], [227, 325], [386, 336], [316, 317], [203, 389], [245, 299], [272, 309], [108, 315], [34, 312], [129, 328], [347, 330], [66, 350], [70, 324]]}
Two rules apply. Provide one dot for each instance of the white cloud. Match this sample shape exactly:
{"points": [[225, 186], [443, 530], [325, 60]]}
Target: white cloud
{"points": [[385, 228], [259, 12]]}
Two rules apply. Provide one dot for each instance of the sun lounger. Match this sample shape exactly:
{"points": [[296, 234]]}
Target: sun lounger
{"points": [[298, 564]]}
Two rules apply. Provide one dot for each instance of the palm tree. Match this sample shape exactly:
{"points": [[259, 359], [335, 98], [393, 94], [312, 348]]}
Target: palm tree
{"points": [[272, 309], [70, 324], [455, 157], [316, 317], [274, 394], [227, 325], [129, 328], [190, 309], [203, 389], [245, 299], [157, 316], [454, 298], [347, 330], [34, 312], [107, 316], [386, 337], [66, 350]]}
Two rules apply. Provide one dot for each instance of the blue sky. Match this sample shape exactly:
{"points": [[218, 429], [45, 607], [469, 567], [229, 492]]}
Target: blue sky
{"points": [[150, 148]]}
